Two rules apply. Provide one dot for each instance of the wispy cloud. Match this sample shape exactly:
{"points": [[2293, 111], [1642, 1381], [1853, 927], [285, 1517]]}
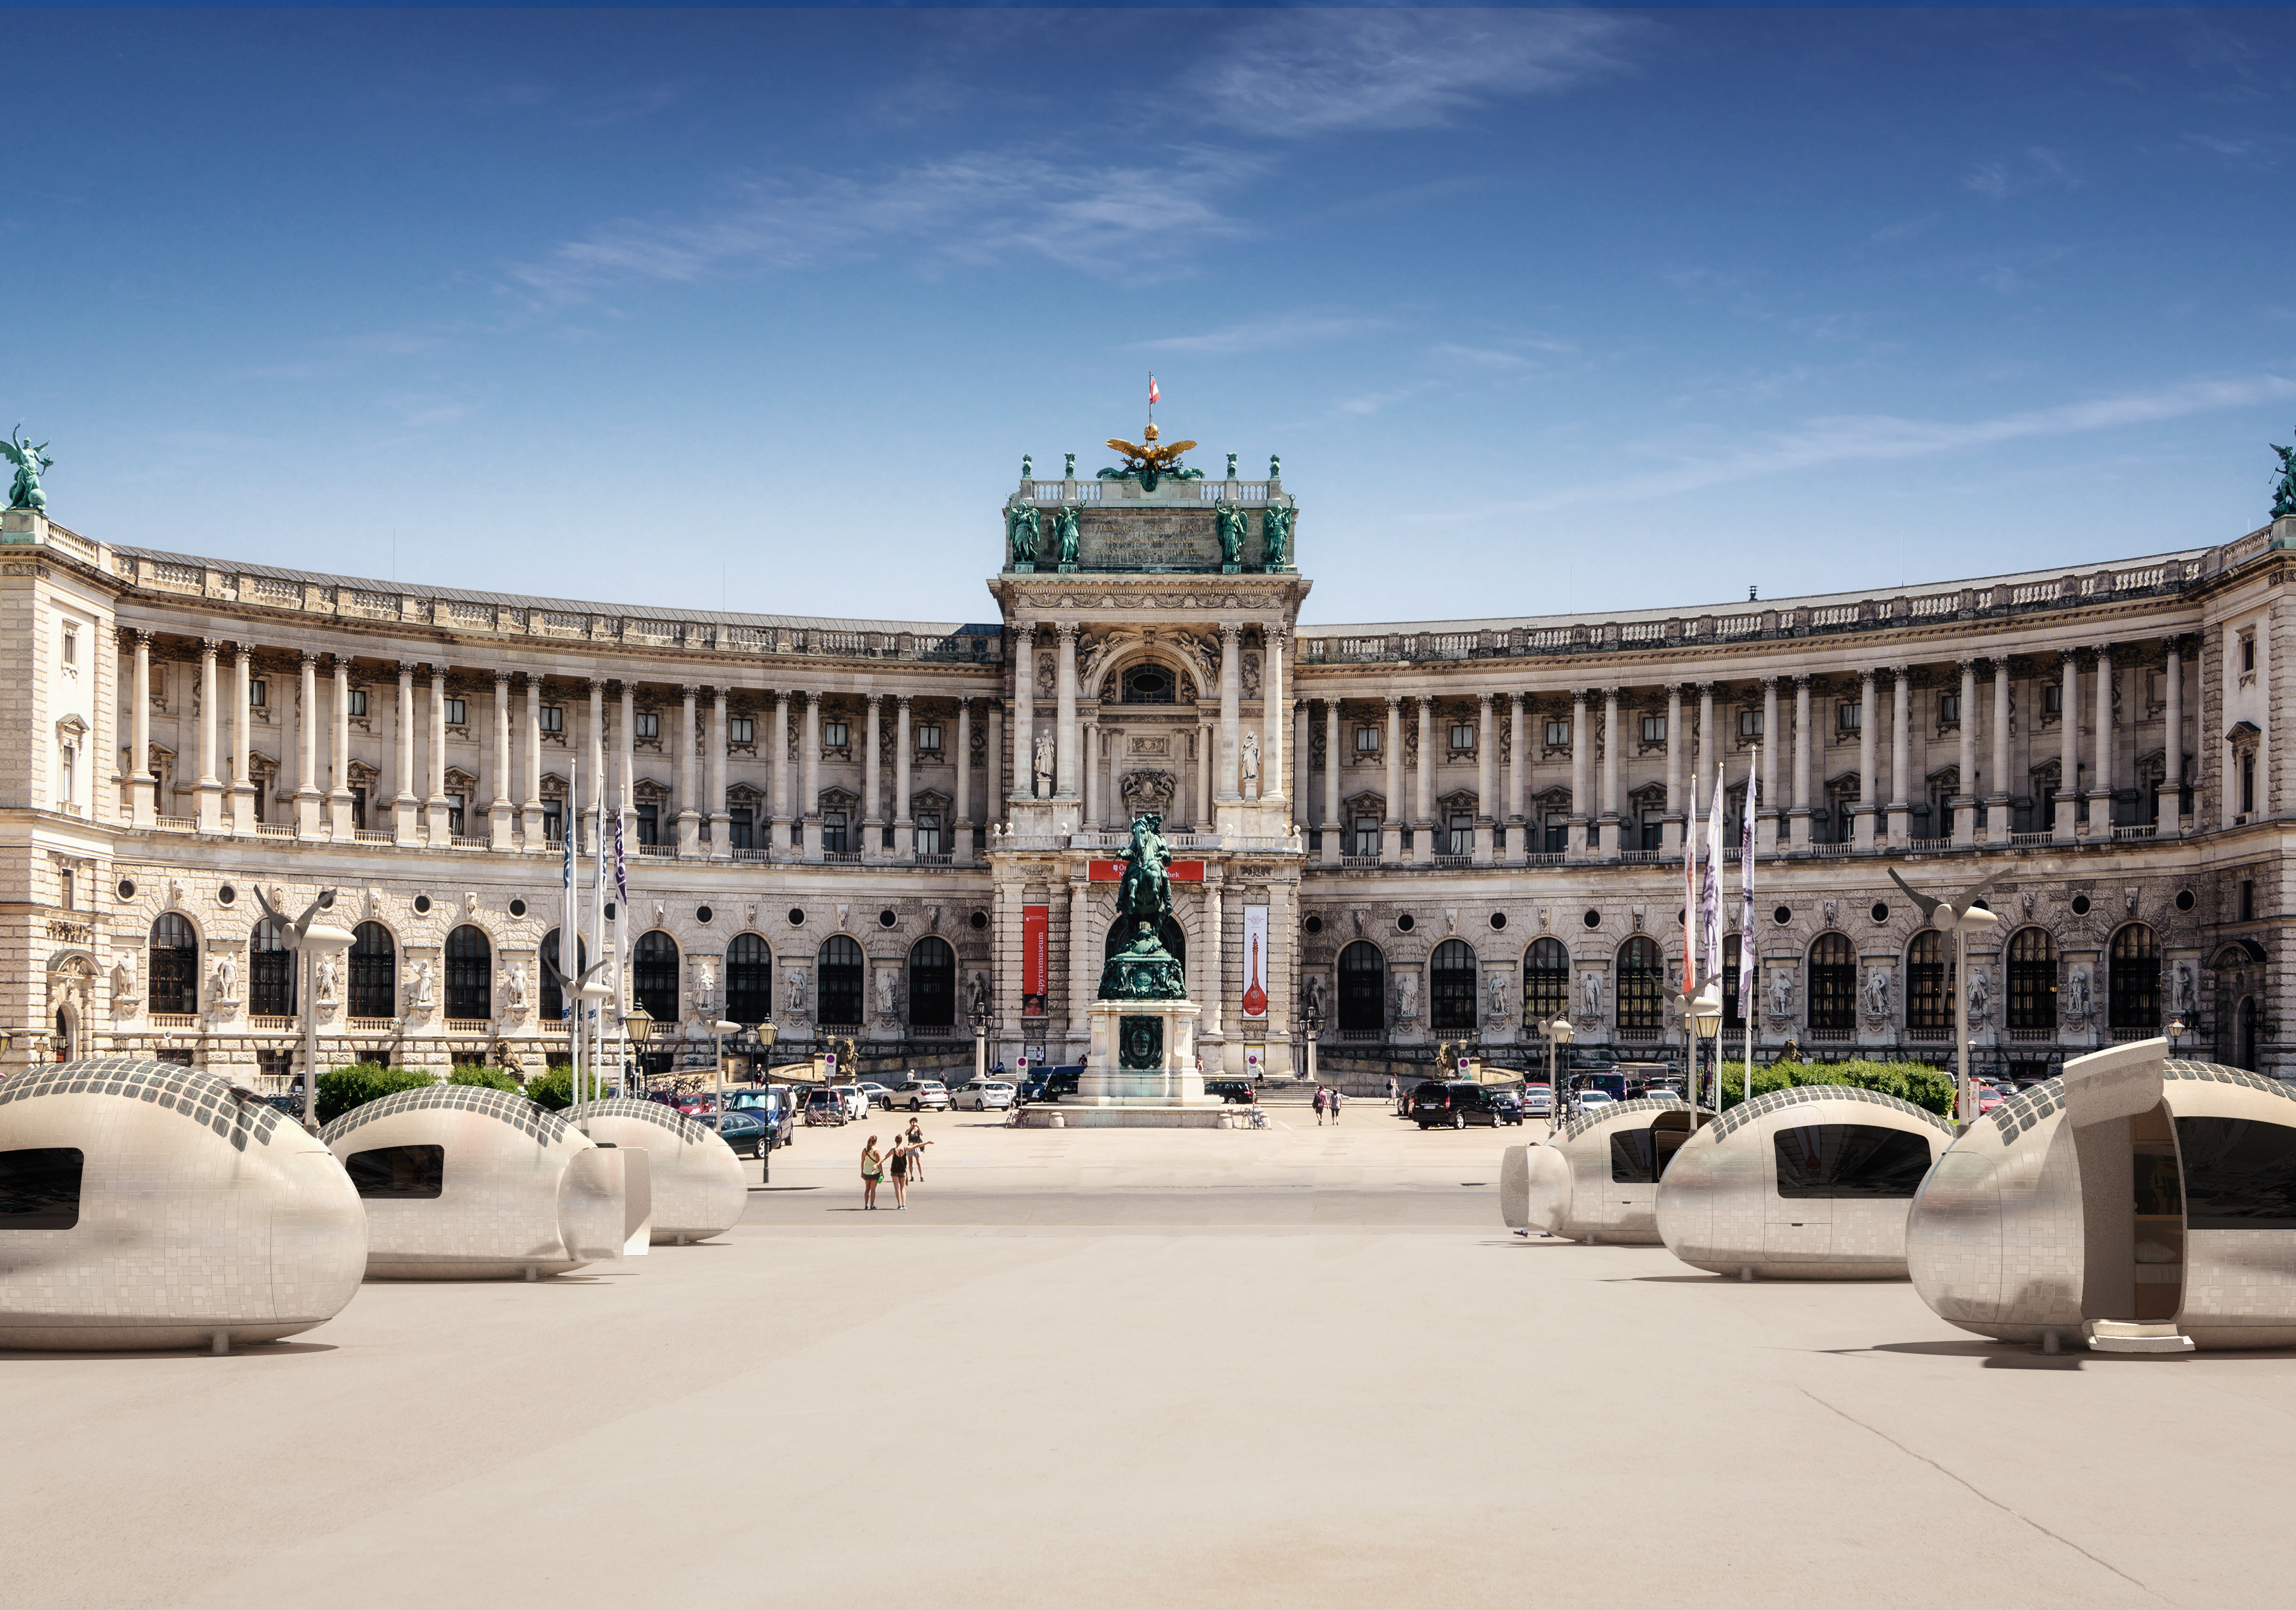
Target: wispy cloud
{"points": [[1870, 438], [2032, 169], [1906, 229], [1305, 73], [974, 209], [1277, 332]]}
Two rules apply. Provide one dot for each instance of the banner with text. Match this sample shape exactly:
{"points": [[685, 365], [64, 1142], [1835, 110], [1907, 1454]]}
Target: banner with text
{"points": [[1255, 963], [1036, 956]]}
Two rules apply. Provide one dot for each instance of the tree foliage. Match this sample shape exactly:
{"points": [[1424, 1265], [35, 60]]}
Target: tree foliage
{"points": [[1930, 1088], [343, 1088]]}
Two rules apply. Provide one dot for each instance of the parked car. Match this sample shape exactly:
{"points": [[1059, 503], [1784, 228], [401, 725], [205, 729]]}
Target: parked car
{"points": [[1052, 1083], [857, 1104], [918, 1094], [874, 1095], [983, 1095], [1988, 1096], [1595, 1099], [1538, 1100], [1235, 1092], [1457, 1104], [824, 1106], [746, 1131]]}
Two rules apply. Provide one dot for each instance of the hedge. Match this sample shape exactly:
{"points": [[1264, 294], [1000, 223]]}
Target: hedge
{"points": [[478, 1073], [1918, 1082], [343, 1088], [554, 1090]]}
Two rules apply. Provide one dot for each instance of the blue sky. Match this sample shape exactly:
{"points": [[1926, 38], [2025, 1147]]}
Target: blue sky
{"points": [[1543, 310]]}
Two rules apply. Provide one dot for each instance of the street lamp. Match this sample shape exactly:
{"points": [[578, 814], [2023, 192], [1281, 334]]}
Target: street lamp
{"points": [[1558, 1033], [978, 1017], [1311, 1027], [1706, 1021], [308, 938], [2175, 1029], [721, 1029], [1693, 1004], [1957, 916], [637, 1028]]}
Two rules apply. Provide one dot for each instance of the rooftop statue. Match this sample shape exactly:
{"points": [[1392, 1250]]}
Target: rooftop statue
{"points": [[1064, 531], [1275, 538], [29, 461], [1151, 463], [2284, 496], [1144, 969], [1230, 520], [1021, 530]]}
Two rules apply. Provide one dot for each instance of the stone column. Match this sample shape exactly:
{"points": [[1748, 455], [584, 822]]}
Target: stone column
{"points": [[1083, 976], [1391, 831], [872, 785], [1611, 747], [1581, 756], [499, 808], [1901, 750], [2172, 756], [1486, 763], [435, 762], [1066, 783], [1088, 736], [1519, 843], [404, 804], [1965, 804], [781, 838], [959, 828], [1711, 751], [142, 787], [593, 803], [529, 797], [341, 826], [1231, 696], [1997, 798], [1801, 807], [2069, 747], [243, 785], [1272, 706], [808, 804], [1334, 829], [721, 824], [625, 792], [1674, 832], [995, 751], [689, 818], [904, 820], [209, 785], [1024, 712], [1869, 788], [1214, 983], [1423, 793], [2103, 778], [307, 747], [1205, 739]]}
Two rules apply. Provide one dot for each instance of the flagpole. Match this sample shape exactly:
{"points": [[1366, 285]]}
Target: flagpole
{"points": [[569, 931], [596, 1014], [621, 932], [1750, 972], [1689, 949]]}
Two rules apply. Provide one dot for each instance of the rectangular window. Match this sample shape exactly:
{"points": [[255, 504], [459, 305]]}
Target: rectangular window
{"points": [[1461, 833], [1852, 717], [1365, 834], [1462, 735], [648, 725], [554, 821], [1366, 740], [2247, 784], [1557, 838], [1749, 723], [1948, 707], [1653, 729], [834, 735], [553, 718], [64, 889], [258, 694], [649, 823], [1558, 735], [457, 712], [832, 833], [2052, 699], [928, 739], [744, 730], [2247, 901], [358, 810], [741, 830], [72, 649], [455, 814], [928, 841], [2247, 652], [358, 701], [68, 779]]}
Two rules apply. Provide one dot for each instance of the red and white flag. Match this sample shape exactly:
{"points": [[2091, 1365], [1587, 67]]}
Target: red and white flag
{"points": [[1154, 396]]}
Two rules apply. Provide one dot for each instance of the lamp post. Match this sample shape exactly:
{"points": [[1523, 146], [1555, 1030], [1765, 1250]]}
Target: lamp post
{"points": [[1957, 916], [1311, 1028], [719, 1029], [1706, 1019], [2176, 1031], [308, 938], [979, 1016], [1704, 995], [637, 1028], [1558, 1033]]}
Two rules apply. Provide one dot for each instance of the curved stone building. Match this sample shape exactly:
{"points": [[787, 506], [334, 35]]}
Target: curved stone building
{"points": [[1812, 1183], [1446, 831], [1596, 1178], [145, 1204], [699, 1189]]}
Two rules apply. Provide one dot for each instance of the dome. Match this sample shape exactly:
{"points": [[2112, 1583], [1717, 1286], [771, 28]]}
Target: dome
{"points": [[699, 1188], [1811, 1183], [462, 1182], [2137, 1196], [147, 1205], [1596, 1177]]}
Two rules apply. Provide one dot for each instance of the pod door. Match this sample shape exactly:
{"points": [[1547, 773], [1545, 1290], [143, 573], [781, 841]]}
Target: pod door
{"points": [[1638, 1160], [2133, 1218]]}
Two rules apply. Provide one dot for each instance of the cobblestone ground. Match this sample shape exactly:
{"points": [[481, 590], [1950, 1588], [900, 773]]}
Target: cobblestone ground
{"points": [[1289, 1367]]}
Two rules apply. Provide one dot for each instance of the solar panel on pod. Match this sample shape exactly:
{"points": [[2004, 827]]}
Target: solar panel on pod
{"points": [[146, 1204], [1812, 1183], [699, 1189]]}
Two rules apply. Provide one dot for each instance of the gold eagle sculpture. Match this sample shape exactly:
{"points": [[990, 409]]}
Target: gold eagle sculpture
{"points": [[1149, 462]]}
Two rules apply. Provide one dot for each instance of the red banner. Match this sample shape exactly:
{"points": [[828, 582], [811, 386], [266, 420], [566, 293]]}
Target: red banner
{"points": [[1035, 957], [1179, 872]]}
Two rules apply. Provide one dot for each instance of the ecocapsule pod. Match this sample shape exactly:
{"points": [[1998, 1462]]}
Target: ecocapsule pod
{"points": [[2146, 1203], [1807, 1183], [146, 1204], [462, 1182], [698, 1190], [1596, 1177]]}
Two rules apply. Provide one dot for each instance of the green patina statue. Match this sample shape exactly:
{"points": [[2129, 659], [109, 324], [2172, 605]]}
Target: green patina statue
{"points": [[1021, 530], [1230, 520], [29, 461], [1276, 537], [2284, 496], [1064, 532], [1142, 969]]}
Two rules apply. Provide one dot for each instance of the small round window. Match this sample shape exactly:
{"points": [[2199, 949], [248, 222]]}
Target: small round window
{"points": [[1880, 912], [127, 889], [702, 913], [1783, 913], [886, 919], [979, 920], [796, 918], [226, 894], [1313, 924], [1594, 919], [1498, 919], [2080, 905], [1406, 923], [2186, 899], [518, 907], [421, 903]]}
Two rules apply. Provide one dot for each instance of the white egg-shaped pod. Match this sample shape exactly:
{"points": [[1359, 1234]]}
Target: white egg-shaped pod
{"points": [[146, 1204], [2041, 1220], [699, 1188], [1813, 1183], [1596, 1177], [462, 1182]]}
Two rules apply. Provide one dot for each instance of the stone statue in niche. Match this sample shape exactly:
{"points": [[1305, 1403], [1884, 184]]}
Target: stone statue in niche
{"points": [[1980, 993], [1781, 993], [123, 984], [423, 999], [1877, 993], [327, 990], [2076, 1001], [884, 992], [1040, 786], [705, 982], [979, 993], [514, 986], [1590, 995], [1497, 1010], [1249, 766], [226, 979], [1406, 995], [1311, 994], [793, 992]]}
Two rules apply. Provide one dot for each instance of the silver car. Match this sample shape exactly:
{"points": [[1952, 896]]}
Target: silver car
{"points": [[918, 1094], [983, 1095]]}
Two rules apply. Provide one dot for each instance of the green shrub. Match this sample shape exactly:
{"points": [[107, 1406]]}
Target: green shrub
{"points": [[343, 1088], [1917, 1082], [478, 1073], [554, 1090]]}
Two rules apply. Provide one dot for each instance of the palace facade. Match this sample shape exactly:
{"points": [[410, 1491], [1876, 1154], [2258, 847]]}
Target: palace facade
{"points": [[1411, 834]]}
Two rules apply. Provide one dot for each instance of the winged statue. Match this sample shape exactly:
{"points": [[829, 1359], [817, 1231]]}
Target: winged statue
{"points": [[29, 461], [1150, 462]]}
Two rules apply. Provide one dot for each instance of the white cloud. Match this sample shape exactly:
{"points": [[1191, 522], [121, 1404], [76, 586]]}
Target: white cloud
{"points": [[2035, 166], [1275, 333], [1303, 73]]}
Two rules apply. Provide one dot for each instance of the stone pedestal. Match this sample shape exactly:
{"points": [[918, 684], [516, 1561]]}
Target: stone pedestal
{"points": [[1142, 1053]]}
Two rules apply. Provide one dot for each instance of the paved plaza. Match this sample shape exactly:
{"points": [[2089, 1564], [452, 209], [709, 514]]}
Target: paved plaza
{"points": [[1292, 1366]]}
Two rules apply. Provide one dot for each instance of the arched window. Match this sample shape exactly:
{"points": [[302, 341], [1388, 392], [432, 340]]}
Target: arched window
{"points": [[837, 982], [1546, 983], [374, 972], [553, 999], [1451, 987], [1832, 985], [749, 980], [2032, 985], [175, 965], [1929, 985], [469, 974], [653, 975], [2135, 981], [1363, 990], [1642, 987], [932, 983], [270, 971]]}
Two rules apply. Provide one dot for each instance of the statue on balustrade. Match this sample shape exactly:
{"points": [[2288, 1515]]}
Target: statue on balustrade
{"points": [[1229, 520], [2284, 496], [25, 492], [1065, 530], [1142, 968], [1275, 538], [1022, 529]]}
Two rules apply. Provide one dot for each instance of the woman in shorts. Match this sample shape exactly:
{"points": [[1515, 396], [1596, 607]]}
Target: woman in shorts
{"points": [[873, 1169]]}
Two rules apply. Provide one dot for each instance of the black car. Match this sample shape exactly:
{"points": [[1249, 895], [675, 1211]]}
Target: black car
{"points": [[745, 1132], [1459, 1104], [1051, 1084], [1235, 1092]]}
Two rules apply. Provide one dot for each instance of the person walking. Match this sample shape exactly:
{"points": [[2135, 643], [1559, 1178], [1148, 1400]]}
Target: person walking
{"points": [[917, 1145], [873, 1169], [900, 1161], [1321, 1096], [1336, 1106]]}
